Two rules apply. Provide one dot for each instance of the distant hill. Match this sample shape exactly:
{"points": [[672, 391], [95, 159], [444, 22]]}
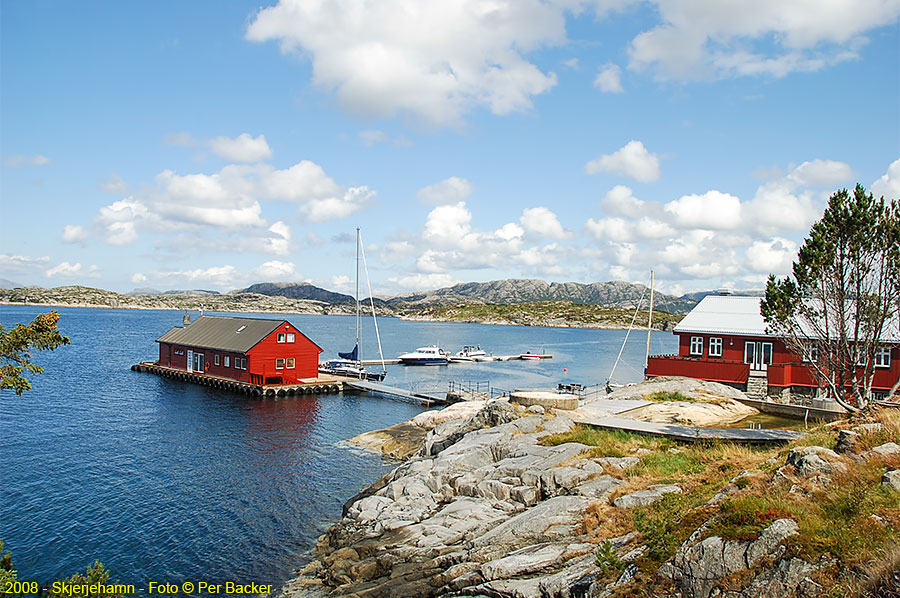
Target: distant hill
{"points": [[191, 293], [523, 290], [699, 295], [8, 284], [297, 290]]}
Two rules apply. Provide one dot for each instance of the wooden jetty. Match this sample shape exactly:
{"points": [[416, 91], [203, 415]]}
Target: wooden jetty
{"points": [[376, 387], [689, 433], [313, 386]]}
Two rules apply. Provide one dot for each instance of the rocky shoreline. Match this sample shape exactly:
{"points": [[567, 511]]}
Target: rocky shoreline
{"points": [[488, 507]]}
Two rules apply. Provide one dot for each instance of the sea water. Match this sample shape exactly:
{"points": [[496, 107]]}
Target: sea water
{"points": [[170, 482]]}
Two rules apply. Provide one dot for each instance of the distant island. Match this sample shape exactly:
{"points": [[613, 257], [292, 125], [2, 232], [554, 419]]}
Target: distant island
{"points": [[522, 302]]}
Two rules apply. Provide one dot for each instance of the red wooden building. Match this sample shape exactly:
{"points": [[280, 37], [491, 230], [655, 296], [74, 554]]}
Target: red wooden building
{"points": [[250, 350], [724, 339]]}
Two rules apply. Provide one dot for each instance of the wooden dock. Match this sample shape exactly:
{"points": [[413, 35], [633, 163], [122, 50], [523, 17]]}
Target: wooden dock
{"points": [[689, 433], [314, 386], [399, 393]]}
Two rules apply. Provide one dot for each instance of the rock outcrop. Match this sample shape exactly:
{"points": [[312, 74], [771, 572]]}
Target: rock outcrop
{"points": [[485, 509]]}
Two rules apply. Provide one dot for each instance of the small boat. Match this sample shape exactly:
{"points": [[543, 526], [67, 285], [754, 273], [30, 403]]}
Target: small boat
{"points": [[349, 369], [425, 356], [469, 353], [530, 356]]}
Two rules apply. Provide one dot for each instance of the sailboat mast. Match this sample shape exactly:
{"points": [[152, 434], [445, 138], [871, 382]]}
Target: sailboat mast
{"points": [[649, 324], [357, 290]]}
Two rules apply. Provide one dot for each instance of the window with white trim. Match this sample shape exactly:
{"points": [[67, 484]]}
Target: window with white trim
{"points": [[217, 359], [697, 345], [290, 337], [228, 361], [279, 363], [811, 354], [289, 363], [883, 357], [715, 346], [280, 337], [244, 363]]}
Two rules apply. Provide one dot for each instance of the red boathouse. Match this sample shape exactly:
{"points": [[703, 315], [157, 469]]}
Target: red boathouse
{"points": [[724, 339], [258, 351]]}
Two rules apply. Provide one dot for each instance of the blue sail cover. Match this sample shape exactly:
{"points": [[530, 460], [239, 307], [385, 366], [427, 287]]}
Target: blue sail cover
{"points": [[352, 355]]}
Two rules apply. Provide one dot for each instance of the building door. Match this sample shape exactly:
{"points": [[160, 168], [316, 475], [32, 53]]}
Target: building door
{"points": [[190, 360], [758, 355]]}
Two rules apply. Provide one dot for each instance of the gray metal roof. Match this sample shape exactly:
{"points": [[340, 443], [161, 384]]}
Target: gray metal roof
{"points": [[725, 314], [731, 314], [217, 332]]}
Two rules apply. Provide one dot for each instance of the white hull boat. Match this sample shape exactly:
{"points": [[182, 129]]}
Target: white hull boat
{"points": [[425, 356]]}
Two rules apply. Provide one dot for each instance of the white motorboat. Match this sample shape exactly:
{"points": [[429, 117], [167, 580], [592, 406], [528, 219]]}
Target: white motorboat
{"points": [[425, 356], [469, 353]]}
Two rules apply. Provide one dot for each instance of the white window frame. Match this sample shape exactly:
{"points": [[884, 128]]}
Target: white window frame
{"points": [[228, 361], [217, 359], [243, 363], [883, 357], [290, 363], [280, 338], [279, 363], [716, 346], [697, 342], [290, 337], [811, 354]]}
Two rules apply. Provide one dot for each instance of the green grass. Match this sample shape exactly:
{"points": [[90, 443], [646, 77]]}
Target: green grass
{"points": [[664, 396], [608, 443]]}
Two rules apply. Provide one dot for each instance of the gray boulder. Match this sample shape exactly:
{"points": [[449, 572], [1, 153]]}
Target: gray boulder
{"points": [[643, 498]]}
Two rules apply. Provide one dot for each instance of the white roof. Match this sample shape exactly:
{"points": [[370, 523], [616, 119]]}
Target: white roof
{"points": [[730, 314], [725, 314]]}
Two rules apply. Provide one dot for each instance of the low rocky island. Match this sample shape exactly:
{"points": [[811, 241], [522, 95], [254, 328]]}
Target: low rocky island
{"points": [[503, 500]]}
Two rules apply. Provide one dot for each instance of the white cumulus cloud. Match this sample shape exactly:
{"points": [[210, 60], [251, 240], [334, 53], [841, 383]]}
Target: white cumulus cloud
{"points": [[609, 79], [712, 210], [773, 256], [633, 161], [543, 222], [432, 60], [449, 191], [242, 148], [705, 39], [888, 186]]}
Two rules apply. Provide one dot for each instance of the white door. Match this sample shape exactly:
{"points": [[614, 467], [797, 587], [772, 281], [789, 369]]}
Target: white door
{"points": [[758, 355]]}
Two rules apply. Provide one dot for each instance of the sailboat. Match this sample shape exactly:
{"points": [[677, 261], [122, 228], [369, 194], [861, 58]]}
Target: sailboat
{"points": [[610, 385], [350, 364]]}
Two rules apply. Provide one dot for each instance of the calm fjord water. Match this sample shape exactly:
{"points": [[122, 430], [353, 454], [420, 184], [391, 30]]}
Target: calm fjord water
{"points": [[170, 482]]}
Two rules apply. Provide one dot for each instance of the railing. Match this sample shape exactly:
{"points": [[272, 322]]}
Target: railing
{"points": [[716, 370]]}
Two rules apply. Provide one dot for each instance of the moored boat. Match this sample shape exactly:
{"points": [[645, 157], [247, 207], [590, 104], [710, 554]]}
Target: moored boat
{"points": [[469, 353], [425, 356]]}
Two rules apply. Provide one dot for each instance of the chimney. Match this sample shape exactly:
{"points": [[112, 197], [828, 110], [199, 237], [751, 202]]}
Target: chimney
{"points": [[187, 319]]}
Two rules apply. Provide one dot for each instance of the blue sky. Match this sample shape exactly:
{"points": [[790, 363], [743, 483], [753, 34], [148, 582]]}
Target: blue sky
{"points": [[212, 145]]}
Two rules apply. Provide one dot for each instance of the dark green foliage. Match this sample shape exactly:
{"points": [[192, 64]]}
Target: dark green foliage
{"points": [[607, 560], [843, 290], [16, 348]]}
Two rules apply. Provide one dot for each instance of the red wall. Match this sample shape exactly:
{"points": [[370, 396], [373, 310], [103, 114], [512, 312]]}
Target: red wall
{"points": [[260, 359], [303, 350], [733, 347]]}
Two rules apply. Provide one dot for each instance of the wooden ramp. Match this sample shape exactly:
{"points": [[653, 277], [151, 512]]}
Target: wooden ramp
{"points": [[689, 433], [399, 393]]}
